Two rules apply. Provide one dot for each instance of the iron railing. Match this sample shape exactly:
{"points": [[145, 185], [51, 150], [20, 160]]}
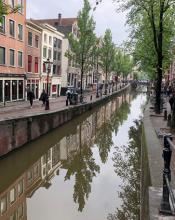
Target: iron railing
{"points": [[167, 206]]}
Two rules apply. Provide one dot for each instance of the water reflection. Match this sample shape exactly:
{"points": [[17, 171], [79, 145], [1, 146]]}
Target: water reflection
{"points": [[69, 148], [127, 166]]}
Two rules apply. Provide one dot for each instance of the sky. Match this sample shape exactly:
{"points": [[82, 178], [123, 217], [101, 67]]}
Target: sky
{"points": [[105, 15]]}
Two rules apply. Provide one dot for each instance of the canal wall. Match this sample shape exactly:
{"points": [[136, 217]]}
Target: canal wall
{"points": [[16, 132]]}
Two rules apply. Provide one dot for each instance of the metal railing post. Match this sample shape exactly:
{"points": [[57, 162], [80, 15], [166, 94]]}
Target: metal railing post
{"points": [[165, 207]]}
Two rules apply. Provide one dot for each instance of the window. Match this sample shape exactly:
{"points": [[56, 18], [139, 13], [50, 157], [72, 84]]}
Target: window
{"points": [[54, 69], [55, 55], [20, 89], [20, 211], [59, 70], [45, 38], [12, 57], [44, 68], [50, 53], [59, 43], [1, 98], [14, 89], [12, 195], [12, 3], [2, 25], [20, 32], [20, 59], [7, 90], [12, 28], [36, 64], [55, 42], [44, 52], [3, 204], [20, 5], [30, 38], [20, 188], [50, 40], [2, 55], [59, 56], [29, 63], [36, 41]]}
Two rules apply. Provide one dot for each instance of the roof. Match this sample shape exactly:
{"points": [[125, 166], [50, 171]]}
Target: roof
{"points": [[63, 22], [64, 25]]}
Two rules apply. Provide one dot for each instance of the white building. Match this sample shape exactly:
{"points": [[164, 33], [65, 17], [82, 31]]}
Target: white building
{"points": [[51, 47]]}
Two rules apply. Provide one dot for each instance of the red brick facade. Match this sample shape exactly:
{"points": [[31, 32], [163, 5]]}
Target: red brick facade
{"points": [[33, 56], [12, 44]]}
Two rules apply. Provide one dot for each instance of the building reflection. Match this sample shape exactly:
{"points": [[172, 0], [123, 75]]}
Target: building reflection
{"points": [[72, 152]]}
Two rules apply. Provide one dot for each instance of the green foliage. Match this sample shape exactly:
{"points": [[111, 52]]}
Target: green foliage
{"points": [[81, 47], [106, 53], [123, 63], [5, 9]]}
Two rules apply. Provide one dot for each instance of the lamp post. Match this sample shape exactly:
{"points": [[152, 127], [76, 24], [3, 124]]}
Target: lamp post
{"points": [[48, 64]]}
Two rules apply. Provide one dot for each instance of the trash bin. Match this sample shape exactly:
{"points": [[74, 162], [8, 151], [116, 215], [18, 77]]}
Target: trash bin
{"points": [[74, 98]]}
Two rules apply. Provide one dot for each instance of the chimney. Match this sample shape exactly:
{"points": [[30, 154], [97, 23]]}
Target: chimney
{"points": [[59, 19]]}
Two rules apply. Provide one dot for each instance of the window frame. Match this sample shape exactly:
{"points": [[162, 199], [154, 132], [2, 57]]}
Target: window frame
{"points": [[29, 62], [30, 32], [13, 57], [4, 56], [19, 32], [2, 30], [20, 52], [10, 20]]}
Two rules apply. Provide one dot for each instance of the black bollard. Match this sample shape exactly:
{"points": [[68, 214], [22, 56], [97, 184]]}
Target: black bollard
{"points": [[169, 120], [165, 115], [91, 98], [66, 102]]}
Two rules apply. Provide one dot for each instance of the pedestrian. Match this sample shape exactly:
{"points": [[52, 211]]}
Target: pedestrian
{"points": [[31, 96], [68, 93], [43, 97]]}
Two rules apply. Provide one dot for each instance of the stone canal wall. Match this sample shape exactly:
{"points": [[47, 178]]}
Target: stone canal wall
{"points": [[16, 132]]}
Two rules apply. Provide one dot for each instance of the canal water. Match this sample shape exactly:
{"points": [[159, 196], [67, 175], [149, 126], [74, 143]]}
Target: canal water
{"points": [[88, 169]]}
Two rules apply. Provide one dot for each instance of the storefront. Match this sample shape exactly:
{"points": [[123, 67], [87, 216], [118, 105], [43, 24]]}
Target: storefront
{"points": [[33, 85], [11, 89]]}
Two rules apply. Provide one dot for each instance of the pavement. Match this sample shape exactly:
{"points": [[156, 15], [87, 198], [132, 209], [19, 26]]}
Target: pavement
{"points": [[20, 109], [154, 125]]}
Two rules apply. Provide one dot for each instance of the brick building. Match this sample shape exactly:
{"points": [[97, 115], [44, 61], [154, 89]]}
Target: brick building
{"points": [[33, 57], [12, 53]]}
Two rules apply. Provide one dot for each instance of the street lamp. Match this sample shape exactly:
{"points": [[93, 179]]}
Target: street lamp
{"points": [[48, 64]]}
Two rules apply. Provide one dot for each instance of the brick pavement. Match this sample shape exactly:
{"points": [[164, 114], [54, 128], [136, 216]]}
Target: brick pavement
{"points": [[21, 109]]}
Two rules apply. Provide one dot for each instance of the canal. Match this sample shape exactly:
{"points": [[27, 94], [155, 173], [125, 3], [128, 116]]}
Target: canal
{"points": [[88, 169]]}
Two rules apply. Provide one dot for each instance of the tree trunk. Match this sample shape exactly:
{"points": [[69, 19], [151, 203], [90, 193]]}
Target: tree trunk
{"points": [[81, 88], [160, 61]]}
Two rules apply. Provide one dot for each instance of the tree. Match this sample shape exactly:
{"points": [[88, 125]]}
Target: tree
{"points": [[106, 55], [156, 13], [6, 9], [81, 47], [123, 63]]}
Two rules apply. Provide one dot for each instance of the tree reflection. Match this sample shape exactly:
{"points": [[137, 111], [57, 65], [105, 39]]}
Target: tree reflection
{"points": [[127, 164], [120, 116], [84, 168], [104, 141]]}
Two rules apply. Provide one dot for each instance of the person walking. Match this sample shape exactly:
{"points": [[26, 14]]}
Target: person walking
{"points": [[68, 94], [172, 101], [43, 97], [31, 96]]}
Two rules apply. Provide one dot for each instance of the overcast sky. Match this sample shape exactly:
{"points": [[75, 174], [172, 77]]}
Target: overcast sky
{"points": [[105, 15]]}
